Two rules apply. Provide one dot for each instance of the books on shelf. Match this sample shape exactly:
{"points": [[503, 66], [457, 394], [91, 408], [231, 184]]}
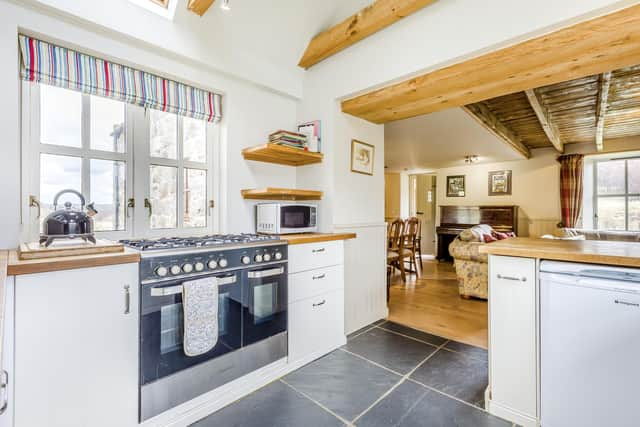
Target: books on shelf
{"points": [[288, 138], [314, 135]]}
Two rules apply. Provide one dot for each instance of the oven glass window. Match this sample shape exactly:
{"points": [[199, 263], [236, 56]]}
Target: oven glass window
{"points": [[264, 302], [171, 324], [295, 216]]}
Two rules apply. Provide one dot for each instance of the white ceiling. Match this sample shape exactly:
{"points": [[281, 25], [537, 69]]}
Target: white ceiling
{"points": [[440, 140]]}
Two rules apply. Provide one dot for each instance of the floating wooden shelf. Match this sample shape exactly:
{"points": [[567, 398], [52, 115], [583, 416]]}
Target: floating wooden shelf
{"points": [[281, 194], [281, 154]]}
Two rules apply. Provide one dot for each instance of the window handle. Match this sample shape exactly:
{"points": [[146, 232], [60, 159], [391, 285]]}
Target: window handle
{"points": [[34, 203], [212, 205], [147, 204], [131, 203]]}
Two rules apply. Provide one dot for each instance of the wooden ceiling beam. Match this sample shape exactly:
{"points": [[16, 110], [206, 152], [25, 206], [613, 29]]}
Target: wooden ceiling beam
{"points": [[545, 119], [592, 47], [489, 121], [199, 7], [604, 83], [367, 21]]}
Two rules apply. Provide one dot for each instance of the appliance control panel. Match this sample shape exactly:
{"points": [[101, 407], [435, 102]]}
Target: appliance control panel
{"points": [[168, 266]]}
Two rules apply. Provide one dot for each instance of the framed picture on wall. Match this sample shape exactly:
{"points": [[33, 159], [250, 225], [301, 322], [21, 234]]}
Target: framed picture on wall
{"points": [[455, 186], [362, 157], [500, 183]]}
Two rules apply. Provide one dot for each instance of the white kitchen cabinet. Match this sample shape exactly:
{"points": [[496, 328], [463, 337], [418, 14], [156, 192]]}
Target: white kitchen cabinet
{"points": [[76, 348], [7, 372], [513, 350], [316, 300]]}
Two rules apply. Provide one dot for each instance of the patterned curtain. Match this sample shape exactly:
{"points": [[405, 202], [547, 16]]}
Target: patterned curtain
{"points": [[43, 62], [571, 188]]}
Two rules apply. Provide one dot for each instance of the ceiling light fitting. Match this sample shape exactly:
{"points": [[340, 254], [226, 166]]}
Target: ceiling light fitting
{"points": [[470, 159], [225, 5]]}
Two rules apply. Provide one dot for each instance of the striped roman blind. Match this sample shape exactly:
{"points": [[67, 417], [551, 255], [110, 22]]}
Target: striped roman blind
{"points": [[46, 63]]}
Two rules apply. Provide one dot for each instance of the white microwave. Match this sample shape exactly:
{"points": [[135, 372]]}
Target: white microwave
{"points": [[286, 218]]}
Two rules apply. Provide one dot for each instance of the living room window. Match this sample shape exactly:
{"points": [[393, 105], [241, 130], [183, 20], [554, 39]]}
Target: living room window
{"points": [[117, 155], [616, 201]]}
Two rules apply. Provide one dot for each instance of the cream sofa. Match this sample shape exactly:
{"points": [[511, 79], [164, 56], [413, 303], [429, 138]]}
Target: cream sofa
{"points": [[471, 266]]}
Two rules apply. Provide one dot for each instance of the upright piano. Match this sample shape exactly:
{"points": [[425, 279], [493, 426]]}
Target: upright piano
{"points": [[454, 219]]}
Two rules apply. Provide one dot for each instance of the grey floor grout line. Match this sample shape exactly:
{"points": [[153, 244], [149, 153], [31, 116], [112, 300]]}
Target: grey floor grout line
{"points": [[371, 361], [482, 359], [410, 337], [447, 395], [372, 326], [305, 395], [404, 378]]}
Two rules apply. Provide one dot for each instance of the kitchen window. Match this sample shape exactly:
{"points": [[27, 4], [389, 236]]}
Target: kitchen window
{"points": [[149, 173], [617, 194]]}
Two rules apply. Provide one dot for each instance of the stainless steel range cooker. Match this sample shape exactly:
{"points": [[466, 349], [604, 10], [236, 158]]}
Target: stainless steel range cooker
{"points": [[251, 272]]}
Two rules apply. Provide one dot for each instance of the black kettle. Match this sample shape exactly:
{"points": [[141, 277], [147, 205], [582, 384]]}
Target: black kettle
{"points": [[68, 223]]}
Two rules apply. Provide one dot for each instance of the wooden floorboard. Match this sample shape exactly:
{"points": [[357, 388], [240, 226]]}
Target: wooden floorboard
{"points": [[432, 304]]}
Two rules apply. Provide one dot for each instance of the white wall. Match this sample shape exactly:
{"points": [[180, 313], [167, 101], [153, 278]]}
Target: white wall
{"points": [[250, 114], [535, 189]]}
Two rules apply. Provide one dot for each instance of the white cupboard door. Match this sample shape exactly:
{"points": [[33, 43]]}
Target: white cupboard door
{"points": [[76, 355], [512, 346], [316, 325]]}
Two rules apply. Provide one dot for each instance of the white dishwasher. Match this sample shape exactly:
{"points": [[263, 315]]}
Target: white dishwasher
{"points": [[589, 345]]}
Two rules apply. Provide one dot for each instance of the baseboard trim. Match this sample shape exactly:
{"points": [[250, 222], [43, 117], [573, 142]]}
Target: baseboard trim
{"points": [[510, 415]]}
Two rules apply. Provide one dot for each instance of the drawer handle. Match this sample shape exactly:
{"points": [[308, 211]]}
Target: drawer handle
{"points": [[315, 251], [515, 279], [320, 303], [321, 276]]}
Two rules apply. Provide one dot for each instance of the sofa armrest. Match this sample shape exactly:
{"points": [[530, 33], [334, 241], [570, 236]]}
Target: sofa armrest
{"points": [[467, 251]]}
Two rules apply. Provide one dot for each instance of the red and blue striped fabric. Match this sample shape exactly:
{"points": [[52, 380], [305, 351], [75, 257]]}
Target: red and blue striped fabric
{"points": [[45, 63]]}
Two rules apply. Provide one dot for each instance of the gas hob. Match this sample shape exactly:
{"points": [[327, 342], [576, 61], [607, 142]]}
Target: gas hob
{"points": [[201, 242]]}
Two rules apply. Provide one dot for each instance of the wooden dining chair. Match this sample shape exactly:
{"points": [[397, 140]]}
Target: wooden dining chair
{"points": [[396, 251], [412, 227], [419, 244]]}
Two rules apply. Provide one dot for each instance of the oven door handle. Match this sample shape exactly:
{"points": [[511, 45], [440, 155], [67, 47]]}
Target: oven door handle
{"points": [[265, 273], [159, 291]]}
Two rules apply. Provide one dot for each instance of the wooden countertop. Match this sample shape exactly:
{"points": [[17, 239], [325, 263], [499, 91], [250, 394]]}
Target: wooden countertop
{"points": [[298, 239], [17, 266], [608, 252]]}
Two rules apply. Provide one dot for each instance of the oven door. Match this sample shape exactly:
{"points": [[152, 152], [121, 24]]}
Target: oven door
{"points": [[297, 218], [264, 302], [162, 322]]}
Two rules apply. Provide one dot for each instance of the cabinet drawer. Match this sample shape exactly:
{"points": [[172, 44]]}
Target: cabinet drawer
{"points": [[311, 283], [316, 324], [315, 255], [512, 333]]}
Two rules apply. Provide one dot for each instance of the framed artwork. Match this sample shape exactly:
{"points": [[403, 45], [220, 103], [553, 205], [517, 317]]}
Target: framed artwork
{"points": [[455, 186], [362, 157], [500, 183]]}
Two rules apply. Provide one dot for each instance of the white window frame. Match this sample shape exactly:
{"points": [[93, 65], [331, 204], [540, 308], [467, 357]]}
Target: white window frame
{"points": [[136, 158], [626, 193]]}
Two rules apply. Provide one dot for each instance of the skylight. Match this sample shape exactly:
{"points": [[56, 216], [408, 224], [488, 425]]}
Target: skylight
{"points": [[164, 8]]}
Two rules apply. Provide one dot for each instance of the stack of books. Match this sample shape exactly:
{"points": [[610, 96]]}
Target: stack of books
{"points": [[290, 139]]}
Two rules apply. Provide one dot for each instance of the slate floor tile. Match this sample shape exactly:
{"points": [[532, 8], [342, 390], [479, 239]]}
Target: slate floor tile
{"points": [[273, 405], [456, 374], [390, 350], [414, 333], [342, 382], [412, 405], [359, 331], [471, 350]]}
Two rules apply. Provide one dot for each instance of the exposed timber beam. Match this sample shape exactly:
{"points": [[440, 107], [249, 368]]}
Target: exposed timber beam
{"points": [[199, 7], [545, 119], [489, 121], [367, 21], [591, 47], [604, 84]]}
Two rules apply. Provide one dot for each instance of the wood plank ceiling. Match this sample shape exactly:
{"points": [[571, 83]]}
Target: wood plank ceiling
{"points": [[589, 109]]}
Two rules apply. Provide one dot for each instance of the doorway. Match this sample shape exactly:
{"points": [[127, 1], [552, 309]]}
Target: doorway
{"points": [[422, 204]]}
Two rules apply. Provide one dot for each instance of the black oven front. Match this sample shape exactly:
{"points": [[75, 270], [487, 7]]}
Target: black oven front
{"points": [[161, 326]]}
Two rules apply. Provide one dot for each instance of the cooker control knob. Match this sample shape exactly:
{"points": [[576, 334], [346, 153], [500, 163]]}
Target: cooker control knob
{"points": [[245, 260], [223, 262], [278, 256], [213, 264], [162, 271], [199, 266], [187, 268], [267, 257], [258, 258], [175, 270]]}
